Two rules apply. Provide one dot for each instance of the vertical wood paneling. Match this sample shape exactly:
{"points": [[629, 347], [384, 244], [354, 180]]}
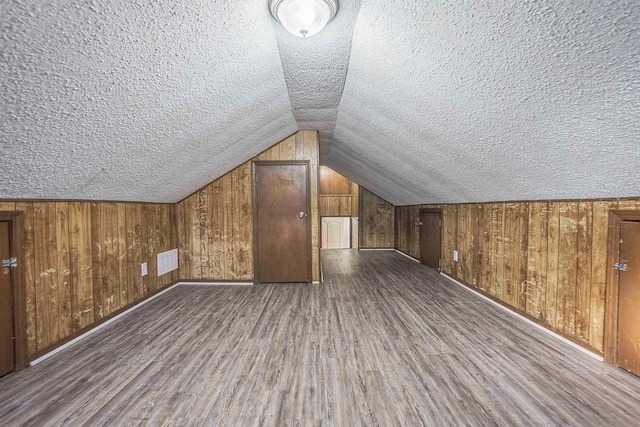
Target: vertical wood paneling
{"points": [[46, 258], [486, 227], [153, 245], [215, 224], [476, 249], [108, 235], [567, 267], [522, 240], [81, 265], [96, 259], [553, 244], [121, 240], [537, 260], [28, 240], [599, 270], [450, 224], [510, 257], [82, 262], [355, 199], [583, 271], [377, 222], [497, 249], [545, 259], [64, 268]]}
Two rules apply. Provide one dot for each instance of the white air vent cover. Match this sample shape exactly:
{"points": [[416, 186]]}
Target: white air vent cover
{"points": [[167, 261]]}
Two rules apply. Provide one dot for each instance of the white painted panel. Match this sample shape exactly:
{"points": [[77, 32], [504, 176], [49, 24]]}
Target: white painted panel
{"points": [[335, 233], [354, 232], [167, 261]]}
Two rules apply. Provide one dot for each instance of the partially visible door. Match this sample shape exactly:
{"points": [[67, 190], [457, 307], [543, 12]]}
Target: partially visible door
{"points": [[430, 238], [336, 233], [282, 204], [629, 298], [7, 355]]}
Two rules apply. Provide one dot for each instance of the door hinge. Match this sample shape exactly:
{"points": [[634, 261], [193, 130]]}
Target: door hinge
{"points": [[620, 267], [11, 262]]}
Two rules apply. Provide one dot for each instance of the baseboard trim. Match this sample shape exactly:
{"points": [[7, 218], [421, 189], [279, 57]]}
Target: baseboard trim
{"points": [[100, 326], [195, 283], [529, 321], [376, 249], [408, 256]]}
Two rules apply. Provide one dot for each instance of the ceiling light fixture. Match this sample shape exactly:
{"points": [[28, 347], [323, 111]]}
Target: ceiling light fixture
{"points": [[303, 18]]}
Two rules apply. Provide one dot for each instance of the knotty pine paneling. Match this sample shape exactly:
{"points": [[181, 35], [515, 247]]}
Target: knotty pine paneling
{"points": [[338, 195], [546, 259], [82, 262], [215, 224], [335, 205], [377, 221], [333, 183]]}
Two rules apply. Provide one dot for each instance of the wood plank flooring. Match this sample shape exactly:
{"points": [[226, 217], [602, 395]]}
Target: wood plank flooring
{"points": [[384, 341]]}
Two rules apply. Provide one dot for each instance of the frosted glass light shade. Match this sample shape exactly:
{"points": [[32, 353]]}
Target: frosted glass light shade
{"points": [[303, 18]]}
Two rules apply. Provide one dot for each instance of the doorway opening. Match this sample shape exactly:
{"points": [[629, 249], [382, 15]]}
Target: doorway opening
{"points": [[431, 237], [622, 318], [13, 342]]}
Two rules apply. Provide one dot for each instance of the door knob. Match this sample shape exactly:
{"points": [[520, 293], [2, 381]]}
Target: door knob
{"points": [[302, 215]]}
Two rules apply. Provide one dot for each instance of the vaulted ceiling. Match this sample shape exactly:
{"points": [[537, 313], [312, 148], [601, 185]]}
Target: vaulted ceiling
{"points": [[419, 101]]}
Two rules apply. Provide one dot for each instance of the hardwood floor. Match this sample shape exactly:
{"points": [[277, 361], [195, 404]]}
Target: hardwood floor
{"points": [[384, 341]]}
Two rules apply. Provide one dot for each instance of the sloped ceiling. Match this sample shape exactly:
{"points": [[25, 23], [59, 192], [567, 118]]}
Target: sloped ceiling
{"points": [[145, 101], [419, 101], [458, 101]]}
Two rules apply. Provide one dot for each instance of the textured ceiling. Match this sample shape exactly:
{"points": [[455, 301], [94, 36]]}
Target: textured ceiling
{"points": [[122, 100], [458, 101], [419, 101]]}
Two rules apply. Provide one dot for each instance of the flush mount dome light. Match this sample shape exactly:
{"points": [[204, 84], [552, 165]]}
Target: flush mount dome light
{"points": [[303, 18]]}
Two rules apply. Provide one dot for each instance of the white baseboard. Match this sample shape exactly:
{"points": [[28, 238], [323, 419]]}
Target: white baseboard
{"points": [[529, 321], [376, 249], [216, 283], [408, 256], [97, 328]]}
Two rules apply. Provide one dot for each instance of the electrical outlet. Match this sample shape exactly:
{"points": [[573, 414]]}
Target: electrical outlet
{"points": [[455, 256], [143, 268]]}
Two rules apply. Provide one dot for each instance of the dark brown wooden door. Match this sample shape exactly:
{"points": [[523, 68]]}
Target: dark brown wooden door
{"points": [[430, 239], [283, 252], [7, 361], [629, 298]]}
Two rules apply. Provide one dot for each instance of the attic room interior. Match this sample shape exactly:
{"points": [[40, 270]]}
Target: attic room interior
{"points": [[320, 212]]}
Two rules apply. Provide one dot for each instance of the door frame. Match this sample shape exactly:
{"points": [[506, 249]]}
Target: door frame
{"points": [[254, 211], [612, 283], [16, 220], [438, 211]]}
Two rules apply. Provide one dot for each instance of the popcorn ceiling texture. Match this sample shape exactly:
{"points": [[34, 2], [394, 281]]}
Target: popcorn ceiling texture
{"points": [[443, 101], [460, 101], [315, 70], [145, 101]]}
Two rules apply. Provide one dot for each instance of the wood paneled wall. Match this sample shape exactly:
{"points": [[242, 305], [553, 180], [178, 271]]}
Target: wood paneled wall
{"points": [[215, 224], [545, 259], [377, 217], [82, 262], [338, 195]]}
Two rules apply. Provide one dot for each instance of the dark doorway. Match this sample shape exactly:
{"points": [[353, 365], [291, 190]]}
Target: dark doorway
{"points": [[431, 237], [7, 337], [629, 297], [282, 246]]}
